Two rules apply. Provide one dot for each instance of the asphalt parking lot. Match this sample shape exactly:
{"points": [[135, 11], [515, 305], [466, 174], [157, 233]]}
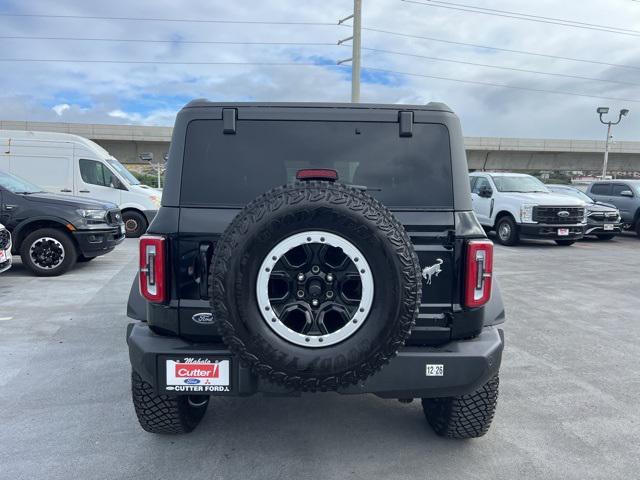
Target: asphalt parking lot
{"points": [[568, 404]]}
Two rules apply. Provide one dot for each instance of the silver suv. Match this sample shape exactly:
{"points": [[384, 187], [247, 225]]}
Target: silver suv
{"points": [[624, 194]]}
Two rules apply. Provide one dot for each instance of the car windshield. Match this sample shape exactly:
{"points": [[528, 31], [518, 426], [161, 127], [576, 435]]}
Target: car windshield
{"points": [[123, 171], [522, 184], [18, 185], [573, 192]]}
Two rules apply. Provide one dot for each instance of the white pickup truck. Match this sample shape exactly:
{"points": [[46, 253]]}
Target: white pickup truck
{"points": [[516, 205]]}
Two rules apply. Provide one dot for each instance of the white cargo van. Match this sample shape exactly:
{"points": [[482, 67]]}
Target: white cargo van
{"points": [[73, 165]]}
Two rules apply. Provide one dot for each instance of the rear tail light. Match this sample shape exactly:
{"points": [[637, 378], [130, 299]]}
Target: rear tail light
{"points": [[478, 273], [317, 174], [153, 283]]}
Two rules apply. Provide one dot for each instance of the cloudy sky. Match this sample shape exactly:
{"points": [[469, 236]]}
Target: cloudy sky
{"points": [[101, 90]]}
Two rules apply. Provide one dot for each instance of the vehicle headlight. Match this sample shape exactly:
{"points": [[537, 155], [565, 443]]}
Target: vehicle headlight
{"points": [[526, 213], [155, 200], [96, 215]]}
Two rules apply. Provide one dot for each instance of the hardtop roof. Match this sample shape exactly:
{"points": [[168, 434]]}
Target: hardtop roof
{"points": [[431, 106]]}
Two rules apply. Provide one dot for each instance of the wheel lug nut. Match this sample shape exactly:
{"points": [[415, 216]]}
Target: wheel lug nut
{"points": [[329, 294], [329, 278], [314, 302], [300, 277], [315, 269], [300, 293]]}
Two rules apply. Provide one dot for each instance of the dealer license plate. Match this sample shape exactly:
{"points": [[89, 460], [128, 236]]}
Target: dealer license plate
{"points": [[197, 374], [434, 370], [122, 229], [608, 226], [563, 232], [4, 255]]}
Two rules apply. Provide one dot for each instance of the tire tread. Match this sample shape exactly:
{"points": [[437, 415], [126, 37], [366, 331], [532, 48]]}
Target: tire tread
{"points": [[465, 416], [162, 413]]}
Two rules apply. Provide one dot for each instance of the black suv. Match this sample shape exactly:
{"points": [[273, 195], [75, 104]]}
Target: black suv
{"points": [[52, 232], [315, 247]]}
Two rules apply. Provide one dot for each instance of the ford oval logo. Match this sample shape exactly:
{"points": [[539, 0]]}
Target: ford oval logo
{"points": [[563, 213], [192, 381], [202, 318]]}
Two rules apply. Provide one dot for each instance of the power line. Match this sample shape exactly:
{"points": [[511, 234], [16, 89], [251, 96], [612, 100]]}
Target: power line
{"points": [[514, 69], [525, 15], [498, 49], [179, 20], [158, 62], [302, 44], [501, 85], [179, 41], [377, 50], [530, 18]]}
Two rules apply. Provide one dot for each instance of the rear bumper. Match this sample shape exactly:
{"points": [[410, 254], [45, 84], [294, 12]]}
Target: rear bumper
{"points": [[466, 365], [548, 231], [92, 243]]}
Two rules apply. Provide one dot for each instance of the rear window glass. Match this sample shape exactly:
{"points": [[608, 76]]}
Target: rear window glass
{"points": [[231, 170]]}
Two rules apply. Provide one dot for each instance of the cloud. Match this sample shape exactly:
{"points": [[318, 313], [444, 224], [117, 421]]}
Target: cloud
{"points": [[151, 93], [61, 108]]}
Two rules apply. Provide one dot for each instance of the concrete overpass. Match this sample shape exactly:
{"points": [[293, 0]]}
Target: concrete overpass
{"points": [[127, 142]]}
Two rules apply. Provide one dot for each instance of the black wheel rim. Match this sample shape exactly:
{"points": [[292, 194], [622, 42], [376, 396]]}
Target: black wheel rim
{"points": [[320, 289], [47, 253]]}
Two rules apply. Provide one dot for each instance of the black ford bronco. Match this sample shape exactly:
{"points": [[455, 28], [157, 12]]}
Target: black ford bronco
{"points": [[316, 247]]}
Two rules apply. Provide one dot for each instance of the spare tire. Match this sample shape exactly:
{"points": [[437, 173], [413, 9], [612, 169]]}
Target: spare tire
{"points": [[315, 285]]}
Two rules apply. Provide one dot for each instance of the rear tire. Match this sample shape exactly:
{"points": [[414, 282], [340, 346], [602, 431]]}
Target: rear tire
{"points": [[605, 237], [135, 224], [164, 413], [48, 252], [565, 243], [507, 231], [638, 227], [465, 416]]}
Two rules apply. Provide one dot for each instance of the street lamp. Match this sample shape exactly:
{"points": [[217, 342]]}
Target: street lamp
{"points": [[603, 111]]}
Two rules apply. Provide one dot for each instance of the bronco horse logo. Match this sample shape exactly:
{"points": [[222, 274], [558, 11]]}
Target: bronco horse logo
{"points": [[434, 270]]}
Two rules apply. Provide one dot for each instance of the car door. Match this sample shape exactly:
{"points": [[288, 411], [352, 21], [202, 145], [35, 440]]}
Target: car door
{"points": [[625, 203], [600, 192], [4, 212], [96, 180], [482, 205], [11, 206]]}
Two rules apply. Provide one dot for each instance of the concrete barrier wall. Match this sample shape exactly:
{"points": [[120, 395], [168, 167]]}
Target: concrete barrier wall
{"points": [[127, 142]]}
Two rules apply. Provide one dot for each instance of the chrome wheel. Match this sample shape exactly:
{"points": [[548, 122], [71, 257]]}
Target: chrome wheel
{"points": [[47, 253], [315, 289], [504, 231]]}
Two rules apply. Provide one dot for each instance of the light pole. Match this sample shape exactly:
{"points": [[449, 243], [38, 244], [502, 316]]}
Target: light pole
{"points": [[603, 111]]}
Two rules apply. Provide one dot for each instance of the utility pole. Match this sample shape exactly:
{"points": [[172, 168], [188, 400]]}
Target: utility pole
{"points": [[355, 53], [603, 111]]}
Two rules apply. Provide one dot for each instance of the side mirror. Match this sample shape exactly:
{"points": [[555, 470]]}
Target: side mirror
{"points": [[485, 192], [626, 193]]}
